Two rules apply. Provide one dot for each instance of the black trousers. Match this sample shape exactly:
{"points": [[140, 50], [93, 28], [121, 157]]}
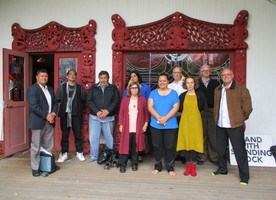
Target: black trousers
{"points": [[123, 158], [164, 142], [76, 127], [236, 136]]}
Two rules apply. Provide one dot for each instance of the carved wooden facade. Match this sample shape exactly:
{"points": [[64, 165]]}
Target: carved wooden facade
{"points": [[179, 32], [55, 38]]}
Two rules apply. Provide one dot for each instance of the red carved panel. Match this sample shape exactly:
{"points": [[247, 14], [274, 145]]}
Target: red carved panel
{"points": [[53, 37], [179, 32]]}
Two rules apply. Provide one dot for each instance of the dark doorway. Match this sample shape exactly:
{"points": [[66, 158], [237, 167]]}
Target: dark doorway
{"points": [[45, 61]]}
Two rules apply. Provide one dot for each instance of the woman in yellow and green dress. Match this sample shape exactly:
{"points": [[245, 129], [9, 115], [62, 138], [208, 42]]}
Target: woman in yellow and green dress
{"points": [[190, 132]]}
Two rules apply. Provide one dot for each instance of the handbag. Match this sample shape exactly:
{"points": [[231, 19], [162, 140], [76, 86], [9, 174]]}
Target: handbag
{"points": [[47, 163], [106, 155]]}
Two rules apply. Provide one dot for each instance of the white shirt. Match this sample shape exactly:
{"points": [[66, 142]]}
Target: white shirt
{"points": [[224, 120], [48, 96], [177, 87]]}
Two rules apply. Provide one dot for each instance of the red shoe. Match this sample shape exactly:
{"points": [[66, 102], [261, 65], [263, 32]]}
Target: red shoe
{"points": [[188, 169], [193, 170]]}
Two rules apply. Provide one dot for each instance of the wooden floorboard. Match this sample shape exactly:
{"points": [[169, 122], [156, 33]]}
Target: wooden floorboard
{"points": [[83, 180]]}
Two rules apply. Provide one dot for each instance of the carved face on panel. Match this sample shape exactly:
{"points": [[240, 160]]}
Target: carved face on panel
{"points": [[87, 58], [242, 18], [177, 20], [117, 21]]}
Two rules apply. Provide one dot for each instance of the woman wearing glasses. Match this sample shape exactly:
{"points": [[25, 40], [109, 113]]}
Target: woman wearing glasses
{"points": [[133, 122]]}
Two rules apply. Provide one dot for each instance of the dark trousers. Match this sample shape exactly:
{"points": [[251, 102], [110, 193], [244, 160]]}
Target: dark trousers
{"points": [[164, 141], [190, 156], [236, 136], [76, 127], [209, 137], [123, 158]]}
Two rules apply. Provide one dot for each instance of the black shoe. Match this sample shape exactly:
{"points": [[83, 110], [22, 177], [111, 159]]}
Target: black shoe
{"points": [[134, 167], [122, 169], [200, 162], [220, 171], [36, 173]]}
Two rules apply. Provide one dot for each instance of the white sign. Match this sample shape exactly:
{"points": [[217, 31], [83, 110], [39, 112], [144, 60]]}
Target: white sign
{"points": [[258, 151]]}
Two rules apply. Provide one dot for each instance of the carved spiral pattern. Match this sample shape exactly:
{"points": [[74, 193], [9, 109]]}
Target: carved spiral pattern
{"points": [[72, 38], [37, 39]]}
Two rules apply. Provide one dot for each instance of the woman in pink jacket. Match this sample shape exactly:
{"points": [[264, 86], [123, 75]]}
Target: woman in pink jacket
{"points": [[133, 122]]}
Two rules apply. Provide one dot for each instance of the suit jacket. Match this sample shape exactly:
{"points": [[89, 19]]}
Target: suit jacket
{"points": [[39, 106]]}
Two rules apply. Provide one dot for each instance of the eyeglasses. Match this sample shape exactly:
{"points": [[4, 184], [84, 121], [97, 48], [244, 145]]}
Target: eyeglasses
{"points": [[229, 74], [134, 88], [205, 71]]}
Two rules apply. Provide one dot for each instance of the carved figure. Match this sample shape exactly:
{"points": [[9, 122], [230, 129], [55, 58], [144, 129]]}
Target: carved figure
{"points": [[177, 33], [120, 34], [19, 36], [238, 33]]}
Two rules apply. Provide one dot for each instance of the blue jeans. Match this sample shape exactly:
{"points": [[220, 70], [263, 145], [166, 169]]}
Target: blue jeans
{"points": [[95, 129]]}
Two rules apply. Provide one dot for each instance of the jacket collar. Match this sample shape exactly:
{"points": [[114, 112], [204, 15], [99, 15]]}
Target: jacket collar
{"points": [[233, 85]]}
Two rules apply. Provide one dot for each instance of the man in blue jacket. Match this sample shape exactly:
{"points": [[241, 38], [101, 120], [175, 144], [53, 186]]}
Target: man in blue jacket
{"points": [[43, 109], [102, 99]]}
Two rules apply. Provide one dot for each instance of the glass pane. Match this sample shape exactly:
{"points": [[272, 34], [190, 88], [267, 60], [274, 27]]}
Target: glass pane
{"points": [[151, 65], [16, 78], [65, 64]]}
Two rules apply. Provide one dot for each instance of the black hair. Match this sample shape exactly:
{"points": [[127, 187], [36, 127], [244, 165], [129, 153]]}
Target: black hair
{"points": [[104, 73], [163, 74], [42, 71], [129, 77], [71, 70]]}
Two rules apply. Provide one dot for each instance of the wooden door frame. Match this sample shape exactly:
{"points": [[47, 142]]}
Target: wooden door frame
{"points": [[15, 141], [56, 38]]}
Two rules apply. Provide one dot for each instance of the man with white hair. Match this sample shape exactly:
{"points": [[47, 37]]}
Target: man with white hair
{"points": [[207, 86]]}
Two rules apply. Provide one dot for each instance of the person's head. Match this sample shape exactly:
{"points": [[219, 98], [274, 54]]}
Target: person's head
{"points": [[227, 76], [134, 76], [71, 75], [163, 81], [42, 77], [205, 71], [103, 78], [190, 83], [177, 73], [133, 89]]}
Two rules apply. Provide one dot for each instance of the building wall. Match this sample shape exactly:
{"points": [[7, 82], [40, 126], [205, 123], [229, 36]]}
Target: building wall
{"points": [[261, 59]]}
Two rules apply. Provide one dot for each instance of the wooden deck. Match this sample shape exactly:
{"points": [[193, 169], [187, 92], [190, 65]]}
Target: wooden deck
{"points": [[83, 180]]}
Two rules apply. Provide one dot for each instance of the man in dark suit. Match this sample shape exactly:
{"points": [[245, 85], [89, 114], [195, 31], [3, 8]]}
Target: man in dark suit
{"points": [[43, 109]]}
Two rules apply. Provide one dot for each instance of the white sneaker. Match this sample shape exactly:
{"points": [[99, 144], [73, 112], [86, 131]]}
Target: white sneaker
{"points": [[62, 157], [80, 156]]}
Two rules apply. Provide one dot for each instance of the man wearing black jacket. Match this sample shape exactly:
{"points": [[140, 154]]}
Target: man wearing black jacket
{"points": [[71, 98], [102, 99], [207, 86]]}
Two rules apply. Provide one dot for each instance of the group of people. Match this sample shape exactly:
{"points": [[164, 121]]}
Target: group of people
{"points": [[190, 116]]}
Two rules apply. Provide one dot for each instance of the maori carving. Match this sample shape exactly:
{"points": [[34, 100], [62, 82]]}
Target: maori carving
{"points": [[238, 33], [239, 58], [117, 69], [55, 38], [177, 33], [120, 33], [19, 37]]}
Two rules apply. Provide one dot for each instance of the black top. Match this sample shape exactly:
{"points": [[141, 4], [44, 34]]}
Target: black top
{"points": [[209, 91]]}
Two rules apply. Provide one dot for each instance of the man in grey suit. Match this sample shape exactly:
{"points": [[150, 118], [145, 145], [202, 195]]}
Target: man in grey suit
{"points": [[43, 109]]}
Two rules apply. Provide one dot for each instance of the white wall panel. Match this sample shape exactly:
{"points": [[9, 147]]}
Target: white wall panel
{"points": [[261, 59]]}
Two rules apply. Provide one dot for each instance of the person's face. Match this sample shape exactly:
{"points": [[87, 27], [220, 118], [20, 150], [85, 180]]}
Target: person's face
{"points": [[134, 90], [227, 76], [133, 77], [190, 84], [42, 78], [72, 76], [177, 74], [103, 80], [205, 72], [163, 82]]}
